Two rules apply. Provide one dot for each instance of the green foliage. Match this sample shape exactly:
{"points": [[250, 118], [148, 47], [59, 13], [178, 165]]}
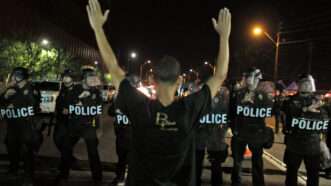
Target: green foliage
{"points": [[44, 62]]}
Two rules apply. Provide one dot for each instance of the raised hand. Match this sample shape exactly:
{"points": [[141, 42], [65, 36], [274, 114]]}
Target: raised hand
{"points": [[96, 18], [223, 25]]}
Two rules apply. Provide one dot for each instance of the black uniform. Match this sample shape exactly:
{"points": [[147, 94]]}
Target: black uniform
{"points": [[303, 130], [19, 111], [163, 145], [84, 114], [62, 121], [123, 138], [211, 136], [248, 127], [328, 142]]}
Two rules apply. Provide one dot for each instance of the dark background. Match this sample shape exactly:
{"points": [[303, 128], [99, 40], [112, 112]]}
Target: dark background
{"points": [[183, 28]]}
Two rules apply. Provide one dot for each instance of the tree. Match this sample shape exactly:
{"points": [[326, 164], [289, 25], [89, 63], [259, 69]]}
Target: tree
{"points": [[44, 62]]}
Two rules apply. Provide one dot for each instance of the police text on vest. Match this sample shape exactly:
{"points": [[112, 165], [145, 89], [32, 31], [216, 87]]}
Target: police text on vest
{"points": [[309, 124], [14, 113], [85, 110], [254, 112]]}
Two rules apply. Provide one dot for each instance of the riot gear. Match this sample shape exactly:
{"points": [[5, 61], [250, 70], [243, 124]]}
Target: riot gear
{"points": [[306, 119]]}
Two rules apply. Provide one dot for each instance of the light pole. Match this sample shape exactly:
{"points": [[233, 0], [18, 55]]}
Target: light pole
{"points": [[132, 56], [257, 31], [142, 68]]}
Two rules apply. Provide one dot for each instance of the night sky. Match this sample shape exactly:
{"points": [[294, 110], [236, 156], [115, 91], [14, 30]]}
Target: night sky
{"points": [[183, 28]]}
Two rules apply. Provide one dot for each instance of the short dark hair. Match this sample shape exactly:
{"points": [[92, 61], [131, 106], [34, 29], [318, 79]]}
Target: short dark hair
{"points": [[167, 70]]}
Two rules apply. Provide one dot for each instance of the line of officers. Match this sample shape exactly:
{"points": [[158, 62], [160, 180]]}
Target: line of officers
{"points": [[243, 109]]}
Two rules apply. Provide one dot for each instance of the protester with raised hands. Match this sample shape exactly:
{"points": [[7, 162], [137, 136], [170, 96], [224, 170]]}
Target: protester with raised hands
{"points": [[163, 129]]}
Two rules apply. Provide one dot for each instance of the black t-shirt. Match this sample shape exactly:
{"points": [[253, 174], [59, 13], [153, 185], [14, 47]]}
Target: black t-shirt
{"points": [[162, 137]]}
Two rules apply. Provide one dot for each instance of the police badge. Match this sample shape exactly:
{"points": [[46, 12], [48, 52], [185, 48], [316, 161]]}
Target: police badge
{"points": [[26, 92], [260, 97]]}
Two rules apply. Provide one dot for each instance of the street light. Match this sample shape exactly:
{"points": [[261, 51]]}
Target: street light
{"points": [[96, 62], [194, 72], [142, 66], [133, 55], [45, 42], [257, 31], [210, 66]]}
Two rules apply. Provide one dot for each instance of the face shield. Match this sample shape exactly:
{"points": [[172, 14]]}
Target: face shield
{"points": [[253, 78], [307, 85], [67, 81], [92, 81], [16, 77]]}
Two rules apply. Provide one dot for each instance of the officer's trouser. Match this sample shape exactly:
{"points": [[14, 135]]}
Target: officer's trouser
{"points": [[59, 135], [293, 162], [19, 142], [122, 151], [216, 159], [88, 133], [238, 148]]}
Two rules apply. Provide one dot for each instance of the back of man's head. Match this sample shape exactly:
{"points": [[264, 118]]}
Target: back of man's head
{"points": [[167, 70]]}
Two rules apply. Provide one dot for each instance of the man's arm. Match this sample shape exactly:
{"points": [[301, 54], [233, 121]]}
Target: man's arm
{"points": [[97, 20], [223, 28]]}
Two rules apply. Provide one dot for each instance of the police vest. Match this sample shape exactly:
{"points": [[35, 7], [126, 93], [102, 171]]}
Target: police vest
{"points": [[309, 124], [121, 119], [253, 112], [214, 119], [79, 110], [16, 113]]}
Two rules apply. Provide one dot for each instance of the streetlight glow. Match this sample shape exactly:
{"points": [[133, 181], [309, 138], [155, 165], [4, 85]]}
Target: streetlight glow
{"points": [[96, 62], [133, 55], [45, 42], [257, 31], [206, 63]]}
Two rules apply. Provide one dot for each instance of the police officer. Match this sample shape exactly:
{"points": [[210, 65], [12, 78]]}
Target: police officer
{"points": [[305, 119], [249, 108], [84, 109], [328, 142], [62, 112], [123, 140], [19, 104], [211, 137]]}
